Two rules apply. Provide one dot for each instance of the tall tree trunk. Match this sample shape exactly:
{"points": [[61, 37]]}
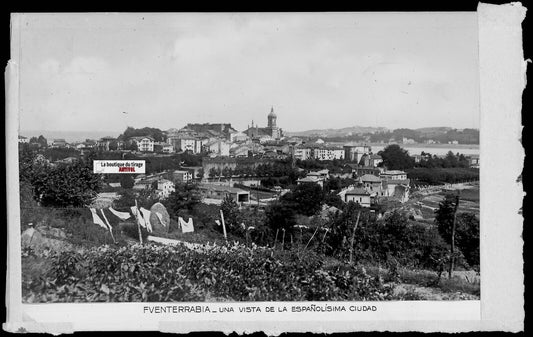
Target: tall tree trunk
{"points": [[452, 245]]}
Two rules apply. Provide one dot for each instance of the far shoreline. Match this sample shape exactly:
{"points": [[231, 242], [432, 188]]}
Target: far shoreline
{"points": [[437, 146]]}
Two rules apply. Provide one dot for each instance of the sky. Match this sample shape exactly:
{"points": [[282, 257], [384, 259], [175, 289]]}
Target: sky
{"points": [[104, 72]]}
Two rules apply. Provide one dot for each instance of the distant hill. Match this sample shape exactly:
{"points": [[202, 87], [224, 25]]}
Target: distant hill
{"points": [[69, 136], [434, 130], [349, 131]]}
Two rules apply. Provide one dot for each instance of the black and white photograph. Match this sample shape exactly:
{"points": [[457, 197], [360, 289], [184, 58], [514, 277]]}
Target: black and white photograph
{"points": [[189, 159]]}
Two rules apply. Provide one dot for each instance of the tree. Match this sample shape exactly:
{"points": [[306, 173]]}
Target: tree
{"points": [[306, 199], [145, 198], [130, 145], [227, 172], [396, 158], [113, 145], [232, 216], [213, 172], [450, 160], [341, 227], [444, 216], [42, 141], [185, 196], [200, 174], [333, 199], [72, 185], [126, 181], [468, 237], [280, 215], [156, 133]]}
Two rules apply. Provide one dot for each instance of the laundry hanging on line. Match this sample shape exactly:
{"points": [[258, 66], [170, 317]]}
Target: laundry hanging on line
{"points": [[186, 227], [135, 211], [106, 221], [120, 215], [146, 216], [97, 220]]}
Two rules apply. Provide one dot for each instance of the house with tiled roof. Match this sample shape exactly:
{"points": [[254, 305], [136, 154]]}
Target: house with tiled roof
{"points": [[60, 142], [359, 196], [212, 191], [311, 180]]}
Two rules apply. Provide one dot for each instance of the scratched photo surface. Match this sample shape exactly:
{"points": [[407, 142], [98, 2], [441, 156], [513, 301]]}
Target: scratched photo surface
{"points": [[249, 157]]}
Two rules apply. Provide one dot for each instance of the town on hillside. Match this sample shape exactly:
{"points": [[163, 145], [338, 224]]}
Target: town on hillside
{"points": [[227, 157], [206, 185]]}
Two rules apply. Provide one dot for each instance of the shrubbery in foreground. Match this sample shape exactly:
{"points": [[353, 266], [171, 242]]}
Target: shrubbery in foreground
{"points": [[161, 273]]}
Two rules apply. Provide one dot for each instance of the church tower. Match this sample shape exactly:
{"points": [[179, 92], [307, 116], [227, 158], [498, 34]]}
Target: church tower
{"points": [[272, 128], [272, 118]]}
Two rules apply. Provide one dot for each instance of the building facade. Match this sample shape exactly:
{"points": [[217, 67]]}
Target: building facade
{"points": [[328, 153], [355, 152], [359, 196], [144, 143]]}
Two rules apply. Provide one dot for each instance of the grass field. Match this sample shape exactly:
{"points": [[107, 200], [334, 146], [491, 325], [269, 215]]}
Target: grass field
{"points": [[471, 194]]}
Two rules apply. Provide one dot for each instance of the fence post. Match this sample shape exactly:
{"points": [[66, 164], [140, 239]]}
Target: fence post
{"points": [[353, 236], [138, 223], [108, 225], [276, 238], [223, 225], [312, 236]]}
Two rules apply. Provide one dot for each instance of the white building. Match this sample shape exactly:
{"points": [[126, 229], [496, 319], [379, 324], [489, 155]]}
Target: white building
{"points": [[328, 153], [219, 147], [182, 176], [164, 188], [23, 140], [167, 148], [355, 152], [238, 137], [408, 140], [144, 143], [187, 142], [302, 153], [359, 196]]}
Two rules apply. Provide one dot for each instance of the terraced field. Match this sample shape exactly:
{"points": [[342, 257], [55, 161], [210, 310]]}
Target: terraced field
{"points": [[428, 203]]}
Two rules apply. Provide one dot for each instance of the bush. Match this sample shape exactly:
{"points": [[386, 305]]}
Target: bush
{"points": [[393, 240], [171, 274]]}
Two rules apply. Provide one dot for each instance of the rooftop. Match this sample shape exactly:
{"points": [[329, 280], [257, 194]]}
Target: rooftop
{"points": [[393, 172], [370, 178], [220, 188], [398, 182], [310, 179], [142, 137], [357, 191]]}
